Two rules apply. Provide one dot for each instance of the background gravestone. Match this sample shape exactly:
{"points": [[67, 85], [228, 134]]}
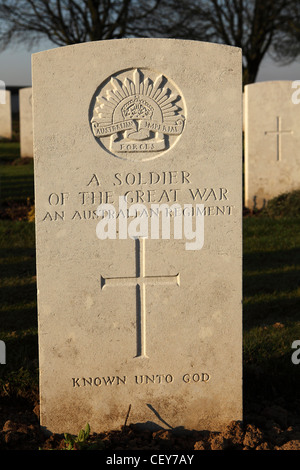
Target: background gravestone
{"points": [[2, 352], [142, 323], [5, 116], [272, 142], [26, 127]]}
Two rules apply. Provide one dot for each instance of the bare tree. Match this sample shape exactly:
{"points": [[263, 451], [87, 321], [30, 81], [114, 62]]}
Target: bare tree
{"points": [[66, 22], [257, 26], [288, 48]]}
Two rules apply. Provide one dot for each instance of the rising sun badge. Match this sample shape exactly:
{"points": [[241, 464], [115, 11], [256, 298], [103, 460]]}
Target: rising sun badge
{"points": [[137, 114]]}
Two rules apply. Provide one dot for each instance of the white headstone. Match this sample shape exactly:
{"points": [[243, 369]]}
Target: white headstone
{"points": [[26, 127], [2, 352], [131, 316], [5, 115], [2, 92], [272, 142]]}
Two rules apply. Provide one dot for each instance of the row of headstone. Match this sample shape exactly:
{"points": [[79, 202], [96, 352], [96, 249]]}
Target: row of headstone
{"points": [[272, 138], [5, 114], [26, 124]]}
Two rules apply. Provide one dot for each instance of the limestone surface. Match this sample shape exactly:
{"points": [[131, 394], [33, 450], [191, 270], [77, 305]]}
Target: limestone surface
{"points": [[5, 115], [26, 126], [139, 321], [272, 141]]}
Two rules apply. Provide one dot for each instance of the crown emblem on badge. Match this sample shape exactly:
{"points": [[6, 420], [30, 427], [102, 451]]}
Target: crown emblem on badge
{"points": [[137, 109], [137, 112]]}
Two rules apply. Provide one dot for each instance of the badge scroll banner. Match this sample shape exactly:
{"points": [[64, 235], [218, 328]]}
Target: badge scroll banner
{"points": [[172, 128]]}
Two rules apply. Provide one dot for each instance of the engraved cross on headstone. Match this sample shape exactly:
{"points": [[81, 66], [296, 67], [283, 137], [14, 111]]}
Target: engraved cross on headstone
{"points": [[278, 132], [140, 280]]}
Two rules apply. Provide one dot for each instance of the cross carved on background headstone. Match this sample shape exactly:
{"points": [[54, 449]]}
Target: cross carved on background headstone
{"points": [[278, 133]]}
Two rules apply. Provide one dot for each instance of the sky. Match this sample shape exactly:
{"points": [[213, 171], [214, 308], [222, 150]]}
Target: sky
{"points": [[15, 67]]}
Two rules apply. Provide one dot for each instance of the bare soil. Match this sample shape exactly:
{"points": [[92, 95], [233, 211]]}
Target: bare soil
{"points": [[266, 426]]}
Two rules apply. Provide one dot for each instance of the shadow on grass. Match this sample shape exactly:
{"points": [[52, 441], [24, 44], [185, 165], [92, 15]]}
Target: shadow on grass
{"points": [[271, 322], [267, 260], [19, 376], [269, 312], [277, 382], [284, 281], [17, 262], [18, 311], [18, 319], [9, 151], [18, 289], [271, 283], [16, 187]]}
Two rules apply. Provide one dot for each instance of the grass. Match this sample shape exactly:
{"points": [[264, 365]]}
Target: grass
{"points": [[271, 293], [271, 300], [16, 176], [18, 311]]}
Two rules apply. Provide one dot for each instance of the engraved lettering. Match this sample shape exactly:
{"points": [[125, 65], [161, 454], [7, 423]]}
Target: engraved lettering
{"points": [[149, 379], [185, 176], [118, 179], [76, 215], [144, 379], [94, 179], [56, 199], [164, 195], [108, 380], [151, 195], [223, 192], [222, 211], [130, 179], [85, 215], [119, 380], [154, 379], [194, 378], [99, 197], [56, 216], [99, 381], [212, 193], [153, 178], [88, 381], [53, 199], [47, 216], [154, 175], [75, 382], [198, 193]]}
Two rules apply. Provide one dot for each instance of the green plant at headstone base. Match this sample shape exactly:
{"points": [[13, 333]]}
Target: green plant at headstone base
{"points": [[80, 442], [284, 205], [31, 214]]}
